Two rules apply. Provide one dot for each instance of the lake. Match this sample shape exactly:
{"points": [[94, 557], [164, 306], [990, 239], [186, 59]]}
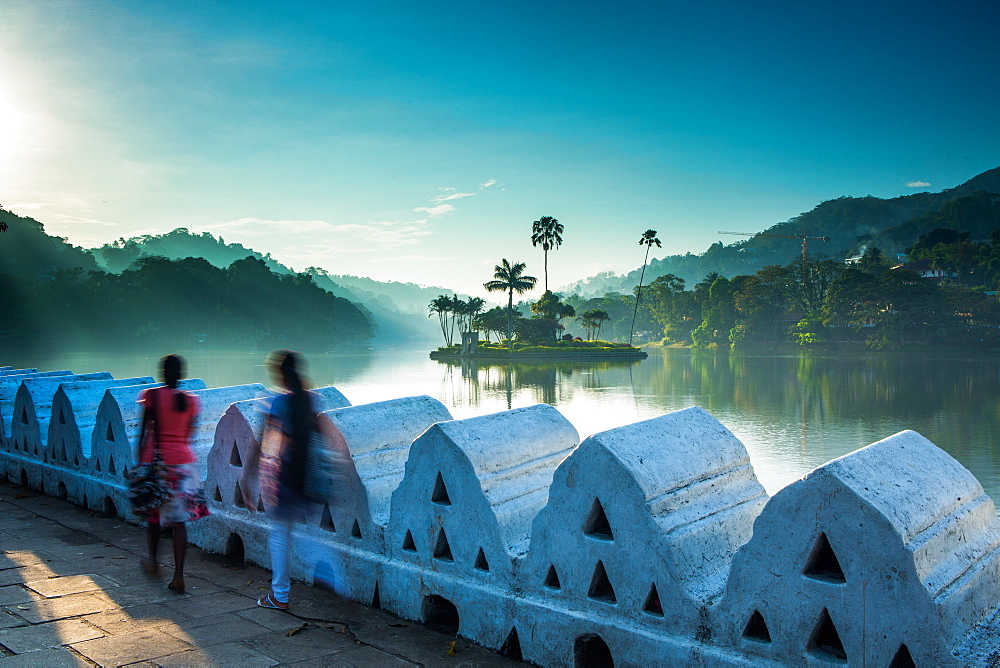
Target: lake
{"points": [[793, 412]]}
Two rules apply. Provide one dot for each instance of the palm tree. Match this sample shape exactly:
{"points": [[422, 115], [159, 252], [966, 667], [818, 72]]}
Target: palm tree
{"points": [[546, 231], [648, 239], [509, 278]]}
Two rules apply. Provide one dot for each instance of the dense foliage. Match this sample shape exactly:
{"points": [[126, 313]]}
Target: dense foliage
{"points": [[54, 291], [818, 301]]}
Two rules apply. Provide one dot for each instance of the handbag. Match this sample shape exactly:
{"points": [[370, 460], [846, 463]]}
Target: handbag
{"points": [[147, 483], [319, 470]]}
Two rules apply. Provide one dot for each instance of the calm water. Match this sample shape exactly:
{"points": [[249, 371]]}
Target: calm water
{"points": [[792, 412]]}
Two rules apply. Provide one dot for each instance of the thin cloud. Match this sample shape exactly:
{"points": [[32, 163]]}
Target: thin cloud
{"points": [[445, 198], [435, 211], [487, 184], [918, 184]]}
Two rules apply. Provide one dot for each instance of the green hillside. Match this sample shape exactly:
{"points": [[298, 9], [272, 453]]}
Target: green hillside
{"points": [[851, 223]]}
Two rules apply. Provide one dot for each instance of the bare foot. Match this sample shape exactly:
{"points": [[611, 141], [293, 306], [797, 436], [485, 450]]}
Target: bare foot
{"points": [[150, 567], [177, 584]]}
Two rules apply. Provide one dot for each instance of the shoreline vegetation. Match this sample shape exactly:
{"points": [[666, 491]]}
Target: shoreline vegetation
{"points": [[555, 350]]}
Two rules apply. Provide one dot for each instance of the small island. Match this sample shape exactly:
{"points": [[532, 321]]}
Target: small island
{"points": [[473, 349]]}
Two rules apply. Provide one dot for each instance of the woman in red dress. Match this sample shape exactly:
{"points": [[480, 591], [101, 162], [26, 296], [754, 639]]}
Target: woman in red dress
{"points": [[167, 424]]}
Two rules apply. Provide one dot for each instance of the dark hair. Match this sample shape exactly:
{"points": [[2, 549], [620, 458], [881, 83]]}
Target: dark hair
{"points": [[172, 367], [286, 364]]}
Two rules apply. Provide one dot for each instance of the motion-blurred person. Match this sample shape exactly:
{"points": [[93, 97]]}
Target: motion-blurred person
{"points": [[282, 459], [167, 424]]}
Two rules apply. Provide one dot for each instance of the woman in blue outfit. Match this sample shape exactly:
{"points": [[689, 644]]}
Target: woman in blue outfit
{"points": [[281, 461]]}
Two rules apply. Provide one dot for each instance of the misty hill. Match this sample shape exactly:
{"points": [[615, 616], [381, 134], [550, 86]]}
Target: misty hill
{"points": [[851, 223], [55, 292], [26, 250], [116, 257], [392, 304]]}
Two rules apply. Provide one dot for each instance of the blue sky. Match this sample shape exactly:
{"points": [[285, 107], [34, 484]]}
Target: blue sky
{"points": [[418, 141]]}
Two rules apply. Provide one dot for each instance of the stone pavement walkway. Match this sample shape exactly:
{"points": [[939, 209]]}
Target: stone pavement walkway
{"points": [[72, 594]]}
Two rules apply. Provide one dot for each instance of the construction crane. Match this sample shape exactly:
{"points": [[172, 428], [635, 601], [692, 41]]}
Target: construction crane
{"points": [[805, 239]]}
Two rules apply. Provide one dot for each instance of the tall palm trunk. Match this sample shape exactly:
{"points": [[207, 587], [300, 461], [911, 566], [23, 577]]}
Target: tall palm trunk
{"points": [[510, 320], [638, 293], [546, 270]]}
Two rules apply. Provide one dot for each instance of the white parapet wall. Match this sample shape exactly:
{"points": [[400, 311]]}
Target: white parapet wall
{"points": [[9, 385], [887, 556], [652, 544], [462, 516], [637, 538]]}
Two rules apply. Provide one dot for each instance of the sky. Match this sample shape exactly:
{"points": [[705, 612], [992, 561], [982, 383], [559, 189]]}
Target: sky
{"points": [[418, 141]]}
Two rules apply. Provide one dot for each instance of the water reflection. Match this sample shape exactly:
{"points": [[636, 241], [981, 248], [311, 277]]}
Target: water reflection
{"points": [[548, 382], [793, 412]]}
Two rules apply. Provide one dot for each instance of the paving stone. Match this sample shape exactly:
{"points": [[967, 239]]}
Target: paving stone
{"points": [[211, 604], [46, 610], [360, 657], [72, 584], [10, 620], [225, 654], [19, 575], [127, 648], [16, 594], [224, 628], [141, 594], [44, 636], [136, 618], [49, 658], [307, 644], [272, 619]]}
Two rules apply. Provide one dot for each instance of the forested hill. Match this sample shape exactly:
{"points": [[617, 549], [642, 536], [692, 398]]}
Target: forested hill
{"points": [[391, 303], [851, 223], [55, 292], [117, 256]]}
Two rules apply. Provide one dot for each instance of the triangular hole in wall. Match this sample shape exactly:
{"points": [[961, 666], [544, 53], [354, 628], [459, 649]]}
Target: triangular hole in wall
{"points": [[24, 415], [440, 493], [756, 628], [376, 603], [408, 544], [825, 641], [902, 659], [326, 520], [62, 418], [36, 449], [234, 456], [652, 604], [238, 497], [63, 455], [110, 436], [481, 563], [217, 495], [442, 550], [511, 647], [552, 579], [97, 464], [125, 473], [823, 563], [597, 525], [76, 461], [112, 470], [355, 530], [260, 504], [600, 586]]}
